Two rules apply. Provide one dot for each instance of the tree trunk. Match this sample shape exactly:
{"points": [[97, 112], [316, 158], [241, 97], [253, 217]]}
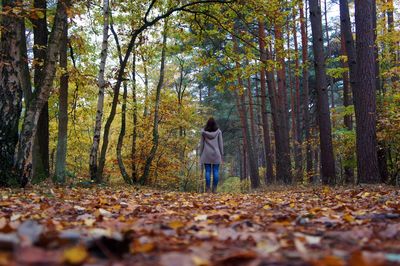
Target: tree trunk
{"points": [[283, 161], [101, 83], [306, 101], [298, 153], [134, 175], [121, 136], [10, 92], [252, 119], [269, 178], [324, 120], [160, 85], [347, 101], [251, 159], [41, 96], [40, 159], [61, 154], [365, 99]]}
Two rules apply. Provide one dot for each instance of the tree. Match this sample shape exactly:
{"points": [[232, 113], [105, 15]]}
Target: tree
{"points": [[40, 97], [61, 154], [306, 111], [365, 94], [40, 156], [10, 90], [101, 82], [160, 85], [324, 120], [265, 125]]}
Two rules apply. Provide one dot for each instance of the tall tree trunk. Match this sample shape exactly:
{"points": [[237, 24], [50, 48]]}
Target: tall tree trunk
{"points": [[283, 161], [298, 153], [40, 159], [252, 119], [247, 146], [101, 83], [347, 101], [10, 91], [306, 101], [121, 136], [146, 87], [160, 85], [61, 154], [41, 96], [328, 55], [134, 174], [265, 124], [247, 140], [324, 119], [365, 99]]}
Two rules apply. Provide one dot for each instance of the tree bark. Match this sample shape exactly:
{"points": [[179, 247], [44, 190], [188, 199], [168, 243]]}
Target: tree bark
{"points": [[10, 91], [40, 97], [121, 136], [160, 85], [347, 101], [365, 99], [40, 159], [101, 83], [134, 174], [324, 121], [283, 160], [306, 101], [269, 177], [298, 153], [61, 154]]}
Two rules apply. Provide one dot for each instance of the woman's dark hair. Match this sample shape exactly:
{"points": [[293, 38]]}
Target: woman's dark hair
{"points": [[211, 125]]}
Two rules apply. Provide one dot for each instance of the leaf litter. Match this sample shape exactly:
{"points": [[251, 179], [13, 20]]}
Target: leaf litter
{"points": [[131, 226]]}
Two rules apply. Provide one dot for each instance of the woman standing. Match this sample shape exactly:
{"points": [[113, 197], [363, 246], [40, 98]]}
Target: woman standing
{"points": [[211, 152]]}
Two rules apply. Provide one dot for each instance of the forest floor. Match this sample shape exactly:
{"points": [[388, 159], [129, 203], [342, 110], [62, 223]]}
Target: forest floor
{"points": [[130, 226]]}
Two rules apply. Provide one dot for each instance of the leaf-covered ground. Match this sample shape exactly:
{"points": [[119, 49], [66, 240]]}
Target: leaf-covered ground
{"points": [[105, 226]]}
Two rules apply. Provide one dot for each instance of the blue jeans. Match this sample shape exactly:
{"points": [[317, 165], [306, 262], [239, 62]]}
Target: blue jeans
{"points": [[215, 168]]}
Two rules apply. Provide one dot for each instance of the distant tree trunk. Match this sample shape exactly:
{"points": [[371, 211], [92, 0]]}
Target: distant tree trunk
{"points": [[40, 159], [41, 96], [247, 146], [10, 92], [324, 120], [298, 153], [101, 83], [146, 86], [122, 132], [283, 161], [347, 101], [134, 175], [252, 119], [269, 178], [365, 99], [328, 49], [61, 154], [121, 136], [160, 85], [306, 101]]}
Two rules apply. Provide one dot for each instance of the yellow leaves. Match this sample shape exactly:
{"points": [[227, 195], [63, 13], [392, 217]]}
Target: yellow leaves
{"points": [[348, 218], [176, 224], [142, 246], [267, 207], [75, 255]]}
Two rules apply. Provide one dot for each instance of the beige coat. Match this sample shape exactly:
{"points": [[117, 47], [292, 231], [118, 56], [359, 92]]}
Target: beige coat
{"points": [[211, 147]]}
